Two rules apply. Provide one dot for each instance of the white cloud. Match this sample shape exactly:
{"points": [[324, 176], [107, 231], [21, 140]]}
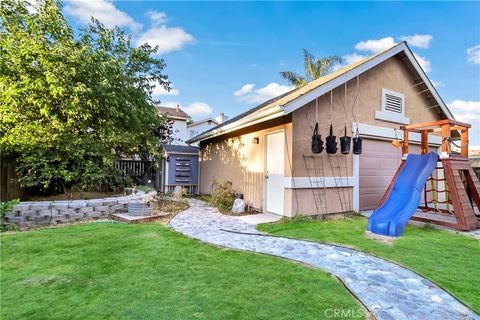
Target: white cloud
{"points": [[166, 38], [375, 45], [102, 10], [418, 40], [244, 90], [469, 112], [159, 90], [352, 58], [157, 17], [473, 54], [198, 109], [347, 60], [424, 62], [437, 84], [466, 111], [272, 90]]}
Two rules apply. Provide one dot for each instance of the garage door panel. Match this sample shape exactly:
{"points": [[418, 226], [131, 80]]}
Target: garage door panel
{"points": [[378, 164]]}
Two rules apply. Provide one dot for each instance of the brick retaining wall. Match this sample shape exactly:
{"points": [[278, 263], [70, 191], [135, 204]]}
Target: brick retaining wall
{"points": [[42, 213]]}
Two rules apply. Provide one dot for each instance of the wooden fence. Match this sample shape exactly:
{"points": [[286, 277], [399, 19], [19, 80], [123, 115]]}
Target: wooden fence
{"points": [[9, 186], [141, 172]]}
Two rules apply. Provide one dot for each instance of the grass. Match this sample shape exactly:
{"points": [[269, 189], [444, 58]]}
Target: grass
{"points": [[144, 188], [147, 271], [449, 259]]}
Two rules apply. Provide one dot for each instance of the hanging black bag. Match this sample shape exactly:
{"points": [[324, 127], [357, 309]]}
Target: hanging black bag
{"points": [[317, 143], [345, 143], [331, 142], [357, 143]]}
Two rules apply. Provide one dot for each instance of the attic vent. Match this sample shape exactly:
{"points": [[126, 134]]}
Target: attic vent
{"points": [[393, 103], [392, 108]]}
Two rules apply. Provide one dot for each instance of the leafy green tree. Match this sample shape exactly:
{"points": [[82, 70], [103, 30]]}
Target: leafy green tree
{"points": [[314, 69], [72, 104]]}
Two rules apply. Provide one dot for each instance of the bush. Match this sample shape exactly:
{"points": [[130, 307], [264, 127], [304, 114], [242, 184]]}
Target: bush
{"points": [[223, 196], [4, 208]]}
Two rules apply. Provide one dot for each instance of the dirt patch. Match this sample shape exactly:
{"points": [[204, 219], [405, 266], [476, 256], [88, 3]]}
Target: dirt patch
{"points": [[44, 280], [169, 206]]}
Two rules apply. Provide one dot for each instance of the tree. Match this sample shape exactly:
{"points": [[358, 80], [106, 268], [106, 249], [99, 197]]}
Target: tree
{"points": [[71, 105], [314, 69]]}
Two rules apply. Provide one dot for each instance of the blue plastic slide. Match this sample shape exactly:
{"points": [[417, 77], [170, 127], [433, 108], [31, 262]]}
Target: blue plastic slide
{"points": [[392, 216]]}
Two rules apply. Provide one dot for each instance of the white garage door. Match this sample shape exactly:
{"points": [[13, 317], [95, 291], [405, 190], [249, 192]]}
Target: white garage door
{"points": [[379, 162]]}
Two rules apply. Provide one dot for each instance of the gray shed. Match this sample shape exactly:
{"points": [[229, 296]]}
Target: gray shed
{"points": [[180, 168]]}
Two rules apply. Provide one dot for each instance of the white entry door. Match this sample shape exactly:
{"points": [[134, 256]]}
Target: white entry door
{"points": [[274, 173]]}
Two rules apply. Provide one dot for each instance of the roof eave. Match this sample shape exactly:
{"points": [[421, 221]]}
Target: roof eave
{"points": [[254, 118], [334, 83]]}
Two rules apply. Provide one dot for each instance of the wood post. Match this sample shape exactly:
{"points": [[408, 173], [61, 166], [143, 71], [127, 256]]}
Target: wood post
{"points": [[446, 134], [405, 142], [464, 140], [464, 195], [424, 141]]}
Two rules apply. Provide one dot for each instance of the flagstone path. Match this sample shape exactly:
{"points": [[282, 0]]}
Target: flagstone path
{"points": [[389, 291]]}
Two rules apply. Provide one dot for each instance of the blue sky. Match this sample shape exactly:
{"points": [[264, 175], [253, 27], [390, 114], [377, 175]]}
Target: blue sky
{"points": [[226, 56]]}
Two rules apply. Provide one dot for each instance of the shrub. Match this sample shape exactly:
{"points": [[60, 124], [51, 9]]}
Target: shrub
{"points": [[223, 196], [4, 208]]}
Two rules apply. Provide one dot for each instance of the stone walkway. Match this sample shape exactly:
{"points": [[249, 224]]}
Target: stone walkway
{"points": [[388, 290]]}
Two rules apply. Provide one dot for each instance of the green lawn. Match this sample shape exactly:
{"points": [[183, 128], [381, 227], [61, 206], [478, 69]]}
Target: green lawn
{"points": [[450, 260], [147, 271]]}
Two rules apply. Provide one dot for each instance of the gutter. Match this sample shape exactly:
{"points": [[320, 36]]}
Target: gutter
{"points": [[254, 118]]}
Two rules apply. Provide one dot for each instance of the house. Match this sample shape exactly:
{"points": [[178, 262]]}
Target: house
{"points": [[474, 155], [266, 151], [179, 167], [197, 127], [200, 126], [180, 119]]}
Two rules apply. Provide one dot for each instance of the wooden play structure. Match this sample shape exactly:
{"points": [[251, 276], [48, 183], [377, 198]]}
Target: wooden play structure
{"points": [[451, 194]]}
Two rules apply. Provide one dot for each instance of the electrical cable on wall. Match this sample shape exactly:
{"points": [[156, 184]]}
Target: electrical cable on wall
{"points": [[290, 165]]}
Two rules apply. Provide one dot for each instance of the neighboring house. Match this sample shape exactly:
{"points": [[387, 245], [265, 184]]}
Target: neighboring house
{"points": [[265, 152], [474, 155], [179, 168], [179, 126], [198, 127]]}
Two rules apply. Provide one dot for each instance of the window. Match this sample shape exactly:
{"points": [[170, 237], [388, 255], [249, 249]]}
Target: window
{"points": [[393, 107]]}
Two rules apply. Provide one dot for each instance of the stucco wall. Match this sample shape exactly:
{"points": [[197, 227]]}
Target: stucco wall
{"points": [[391, 74], [237, 159]]}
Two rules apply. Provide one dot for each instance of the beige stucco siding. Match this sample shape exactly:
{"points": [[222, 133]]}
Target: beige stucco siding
{"points": [[237, 159], [392, 75]]}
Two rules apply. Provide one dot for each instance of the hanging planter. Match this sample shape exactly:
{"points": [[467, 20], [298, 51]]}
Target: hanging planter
{"points": [[357, 143], [317, 143], [345, 143], [331, 142]]}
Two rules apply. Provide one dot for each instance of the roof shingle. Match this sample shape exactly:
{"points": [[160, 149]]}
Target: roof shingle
{"points": [[173, 112]]}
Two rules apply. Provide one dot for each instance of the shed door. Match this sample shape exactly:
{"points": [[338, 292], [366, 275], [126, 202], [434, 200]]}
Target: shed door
{"points": [[379, 162], [274, 174]]}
